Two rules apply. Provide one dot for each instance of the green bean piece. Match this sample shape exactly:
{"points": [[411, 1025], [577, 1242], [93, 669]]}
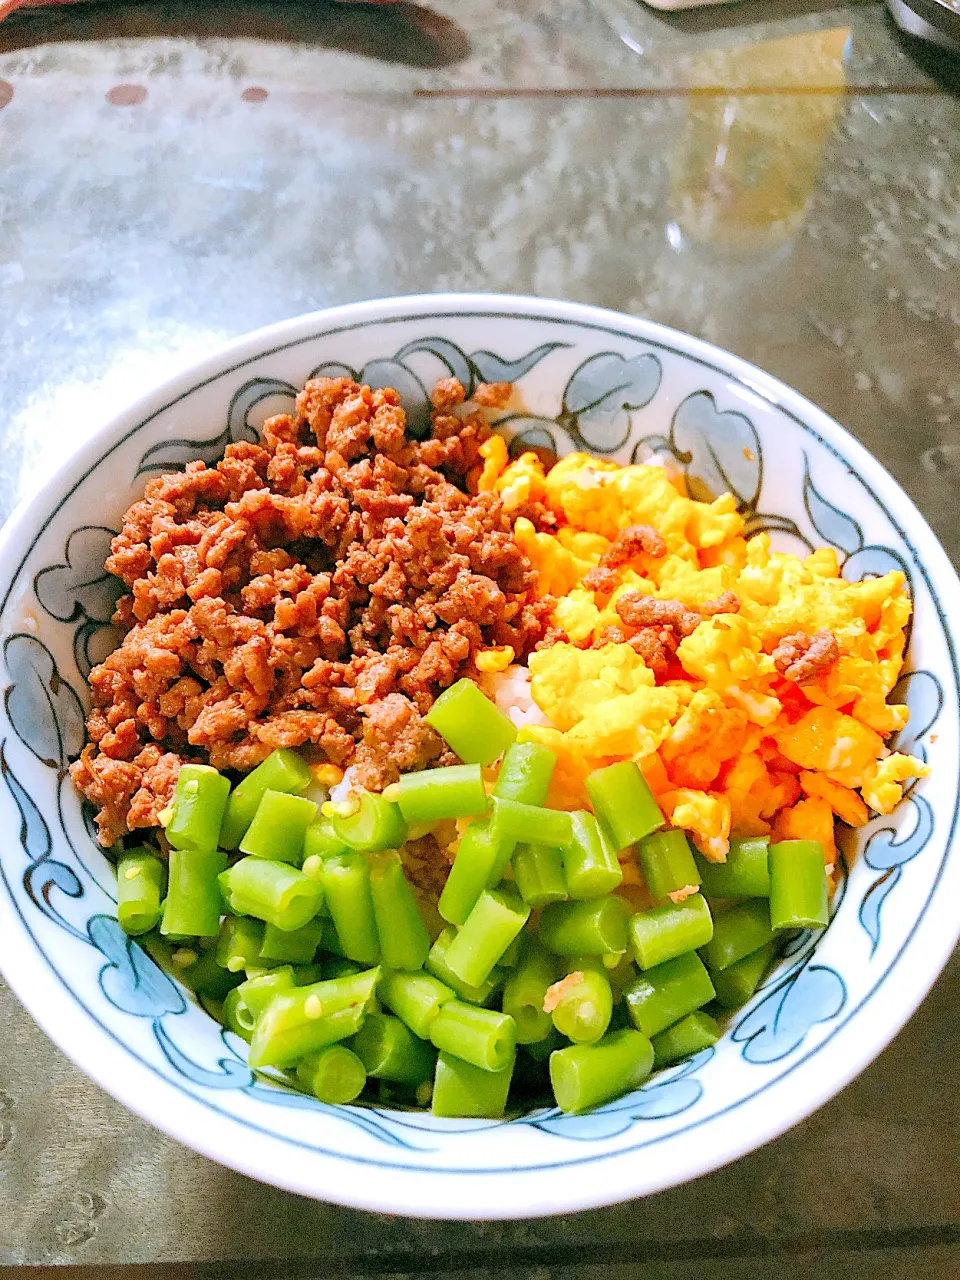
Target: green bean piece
{"points": [[670, 930], [540, 1050], [539, 876], [514, 820], [230, 1020], [416, 998], [250, 999], [335, 1075], [799, 895], [622, 800], [597, 927], [526, 988], [436, 963], [239, 943], [590, 861], [587, 1075], [484, 1037], [330, 939], [471, 724], [196, 811], [667, 863], [486, 934], [512, 954], [737, 932], [304, 975], [665, 994], [283, 770], [346, 891], [745, 874], [291, 946], [463, 1091], [404, 940], [389, 1050], [377, 824], [454, 792], [690, 1035], [306, 1019], [192, 905], [320, 841], [203, 975], [525, 773], [271, 891], [584, 1006], [140, 883], [278, 827], [478, 856], [737, 983], [338, 967]]}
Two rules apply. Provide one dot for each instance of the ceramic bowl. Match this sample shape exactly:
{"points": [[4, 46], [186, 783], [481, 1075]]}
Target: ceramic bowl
{"points": [[589, 379]]}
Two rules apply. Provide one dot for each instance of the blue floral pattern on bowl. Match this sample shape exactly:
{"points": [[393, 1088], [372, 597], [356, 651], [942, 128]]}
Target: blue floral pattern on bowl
{"points": [[607, 387]]}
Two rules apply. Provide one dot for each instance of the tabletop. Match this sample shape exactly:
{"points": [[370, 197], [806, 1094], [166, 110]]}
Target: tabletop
{"points": [[781, 177]]}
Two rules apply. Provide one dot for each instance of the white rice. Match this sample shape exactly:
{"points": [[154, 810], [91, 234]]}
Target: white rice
{"points": [[341, 790], [511, 693]]}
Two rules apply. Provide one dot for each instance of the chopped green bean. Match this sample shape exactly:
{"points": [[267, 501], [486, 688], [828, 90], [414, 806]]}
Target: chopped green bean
{"points": [[470, 723], [335, 1075], [253, 996], [192, 905], [320, 841], [461, 1090], [587, 1075], [487, 932], [436, 963], [514, 820], [685, 1038], [737, 932], [597, 927], [737, 983], [140, 883], [292, 946], [745, 874], [540, 1050], [798, 885], [538, 872], [305, 975], [389, 1050], [278, 827], [478, 855], [203, 975], [622, 800], [330, 939], [403, 937], [196, 812], [338, 967], [230, 1020], [377, 824], [271, 891], [484, 1037], [590, 860], [416, 998], [283, 770], [670, 930], [454, 792], [525, 773], [346, 891], [667, 863], [525, 989], [306, 1019], [512, 954], [239, 943], [584, 1007], [665, 994]]}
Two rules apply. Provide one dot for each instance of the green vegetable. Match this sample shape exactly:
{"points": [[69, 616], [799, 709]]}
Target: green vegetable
{"points": [[278, 827], [464, 1091], [470, 723], [538, 872], [738, 931], [621, 799], [587, 1075], [665, 994], [334, 1075], [454, 792], [688, 1036], [583, 1011], [346, 890], [597, 927], [377, 824], [667, 863], [283, 770], [192, 906], [271, 891], [590, 860], [299, 1022], [799, 895], [483, 1037], [197, 809], [745, 874], [486, 934], [403, 937], [670, 930], [140, 883]]}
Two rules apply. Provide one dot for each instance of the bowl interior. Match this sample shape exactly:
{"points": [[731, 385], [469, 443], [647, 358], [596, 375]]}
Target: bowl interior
{"points": [[586, 379]]}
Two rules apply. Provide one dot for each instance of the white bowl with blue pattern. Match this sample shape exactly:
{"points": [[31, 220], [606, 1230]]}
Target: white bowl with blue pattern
{"points": [[590, 379]]}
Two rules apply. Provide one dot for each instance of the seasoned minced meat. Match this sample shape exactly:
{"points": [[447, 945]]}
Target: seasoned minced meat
{"points": [[321, 587]]}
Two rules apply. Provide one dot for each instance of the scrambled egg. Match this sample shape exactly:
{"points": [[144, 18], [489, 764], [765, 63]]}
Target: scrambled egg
{"points": [[726, 743]]}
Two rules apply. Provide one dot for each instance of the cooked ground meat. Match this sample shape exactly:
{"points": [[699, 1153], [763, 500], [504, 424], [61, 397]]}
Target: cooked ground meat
{"points": [[633, 541], [662, 624], [321, 588], [800, 657]]}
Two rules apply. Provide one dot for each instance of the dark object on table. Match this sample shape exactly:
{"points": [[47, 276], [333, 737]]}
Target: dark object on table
{"points": [[937, 21]]}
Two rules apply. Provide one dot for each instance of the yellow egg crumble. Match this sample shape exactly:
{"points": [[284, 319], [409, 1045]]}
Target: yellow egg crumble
{"points": [[732, 739]]}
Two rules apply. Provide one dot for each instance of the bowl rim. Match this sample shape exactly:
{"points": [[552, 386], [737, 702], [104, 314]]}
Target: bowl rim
{"points": [[108, 1061]]}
